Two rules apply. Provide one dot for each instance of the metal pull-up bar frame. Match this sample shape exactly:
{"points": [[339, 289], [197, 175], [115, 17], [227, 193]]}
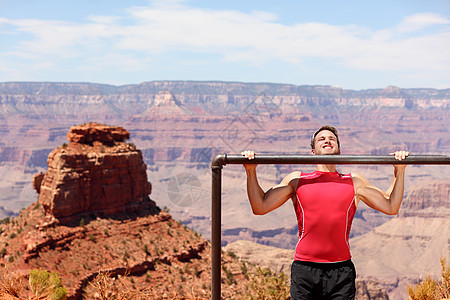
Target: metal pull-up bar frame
{"points": [[221, 160]]}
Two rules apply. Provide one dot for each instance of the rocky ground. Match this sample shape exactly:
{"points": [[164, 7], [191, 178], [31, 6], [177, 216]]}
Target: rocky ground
{"points": [[154, 252]]}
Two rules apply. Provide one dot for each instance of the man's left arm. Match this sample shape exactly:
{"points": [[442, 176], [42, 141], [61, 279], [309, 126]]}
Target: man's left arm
{"points": [[388, 202]]}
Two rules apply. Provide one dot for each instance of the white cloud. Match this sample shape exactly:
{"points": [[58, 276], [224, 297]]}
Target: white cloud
{"points": [[250, 38], [420, 21]]}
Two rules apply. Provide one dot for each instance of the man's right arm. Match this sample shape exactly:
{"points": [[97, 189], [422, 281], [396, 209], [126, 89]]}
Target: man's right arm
{"points": [[264, 202]]}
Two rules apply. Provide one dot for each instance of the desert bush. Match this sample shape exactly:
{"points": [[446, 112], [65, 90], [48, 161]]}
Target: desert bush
{"points": [[232, 254], [266, 284], [10, 284], [5, 221], [229, 274], [46, 285], [120, 289], [431, 289]]}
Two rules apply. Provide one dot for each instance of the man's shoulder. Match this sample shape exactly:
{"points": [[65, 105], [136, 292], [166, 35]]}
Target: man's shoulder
{"points": [[359, 180], [291, 177], [356, 176], [294, 174]]}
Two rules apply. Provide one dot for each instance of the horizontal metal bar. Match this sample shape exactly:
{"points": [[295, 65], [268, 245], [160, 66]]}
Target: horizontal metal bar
{"points": [[223, 159]]}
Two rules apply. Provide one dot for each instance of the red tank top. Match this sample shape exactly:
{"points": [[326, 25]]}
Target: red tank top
{"points": [[325, 208]]}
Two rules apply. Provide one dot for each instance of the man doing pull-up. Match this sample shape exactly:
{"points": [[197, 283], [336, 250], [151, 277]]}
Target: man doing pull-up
{"points": [[325, 202]]}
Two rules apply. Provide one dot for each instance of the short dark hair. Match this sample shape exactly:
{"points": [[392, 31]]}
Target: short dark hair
{"points": [[326, 127]]}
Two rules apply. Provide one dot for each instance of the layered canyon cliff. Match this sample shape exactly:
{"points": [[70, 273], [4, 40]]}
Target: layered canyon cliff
{"points": [[180, 125]]}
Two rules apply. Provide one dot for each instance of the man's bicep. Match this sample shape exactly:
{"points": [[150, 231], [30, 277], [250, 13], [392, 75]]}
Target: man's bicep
{"points": [[274, 198], [375, 198], [369, 194], [281, 190], [279, 194]]}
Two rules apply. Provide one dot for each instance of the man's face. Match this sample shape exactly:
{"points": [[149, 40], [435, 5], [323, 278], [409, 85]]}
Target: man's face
{"points": [[325, 143]]}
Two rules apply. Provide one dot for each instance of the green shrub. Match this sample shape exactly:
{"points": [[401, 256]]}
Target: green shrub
{"points": [[92, 238], [5, 221], [232, 254], [146, 249], [229, 274], [46, 285], [37, 206]]}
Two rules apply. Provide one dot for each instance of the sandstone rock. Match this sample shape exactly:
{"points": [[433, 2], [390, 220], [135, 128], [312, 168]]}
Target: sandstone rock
{"points": [[37, 181], [96, 173], [279, 260], [90, 132], [428, 199], [370, 290]]}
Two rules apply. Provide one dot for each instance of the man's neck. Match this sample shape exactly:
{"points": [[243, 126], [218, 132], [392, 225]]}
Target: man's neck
{"points": [[326, 168]]}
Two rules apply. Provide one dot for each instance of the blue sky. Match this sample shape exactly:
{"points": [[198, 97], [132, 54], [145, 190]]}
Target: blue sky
{"points": [[350, 44]]}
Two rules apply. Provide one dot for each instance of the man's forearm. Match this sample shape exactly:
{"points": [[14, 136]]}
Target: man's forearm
{"points": [[396, 190], [254, 191]]}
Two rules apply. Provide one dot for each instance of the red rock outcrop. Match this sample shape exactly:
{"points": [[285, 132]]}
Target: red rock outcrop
{"points": [[91, 132], [96, 173], [37, 181]]}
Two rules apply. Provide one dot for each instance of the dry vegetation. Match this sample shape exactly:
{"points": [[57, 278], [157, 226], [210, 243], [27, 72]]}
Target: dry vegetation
{"points": [[431, 289], [42, 285]]}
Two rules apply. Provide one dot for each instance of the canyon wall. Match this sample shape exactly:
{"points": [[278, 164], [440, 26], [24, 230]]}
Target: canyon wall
{"points": [[180, 125]]}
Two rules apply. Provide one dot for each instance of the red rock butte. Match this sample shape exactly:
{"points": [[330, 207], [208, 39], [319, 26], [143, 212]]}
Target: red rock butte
{"points": [[90, 132], [96, 174]]}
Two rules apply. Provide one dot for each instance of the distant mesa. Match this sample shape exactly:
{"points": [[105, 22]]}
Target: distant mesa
{"points": [[96, 174], [165, 98]]}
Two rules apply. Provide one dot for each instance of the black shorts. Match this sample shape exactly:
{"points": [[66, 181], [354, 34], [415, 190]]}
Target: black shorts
{"points": [[323, 281]]}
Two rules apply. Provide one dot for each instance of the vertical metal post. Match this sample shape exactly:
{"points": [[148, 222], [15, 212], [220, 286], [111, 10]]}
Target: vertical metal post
{"points": [[216, 234]]}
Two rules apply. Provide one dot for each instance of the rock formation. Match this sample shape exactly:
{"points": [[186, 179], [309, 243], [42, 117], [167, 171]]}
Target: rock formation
{"points": [[370, 290], [428, 199], [94, 132], [97, 173]]}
